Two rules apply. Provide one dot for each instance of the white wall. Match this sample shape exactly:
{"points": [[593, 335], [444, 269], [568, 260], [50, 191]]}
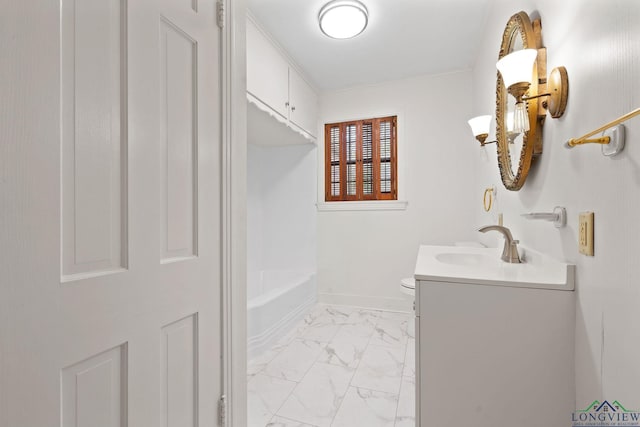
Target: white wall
{"points": [[281, 208], [599, 43], [363, 255]]}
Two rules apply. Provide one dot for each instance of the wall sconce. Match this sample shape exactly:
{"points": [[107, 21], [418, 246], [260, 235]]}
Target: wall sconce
{"points": [[480, 126], [516, 69]]}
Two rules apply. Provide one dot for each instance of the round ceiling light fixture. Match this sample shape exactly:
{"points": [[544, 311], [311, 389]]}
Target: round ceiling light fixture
{"points": [[343, 19]]}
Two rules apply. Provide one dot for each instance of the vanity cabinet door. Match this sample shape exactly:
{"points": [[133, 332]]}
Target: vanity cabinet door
{"points": [[267, 72], [303, 103]]}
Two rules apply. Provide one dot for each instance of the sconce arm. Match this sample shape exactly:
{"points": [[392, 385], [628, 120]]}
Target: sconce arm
{"points": [[526, 98]]}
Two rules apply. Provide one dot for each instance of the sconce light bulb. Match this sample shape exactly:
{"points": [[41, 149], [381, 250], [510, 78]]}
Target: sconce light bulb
{"points": [[521, 118]]}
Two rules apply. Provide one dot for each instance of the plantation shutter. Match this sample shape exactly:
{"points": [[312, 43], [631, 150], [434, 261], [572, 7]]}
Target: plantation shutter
{"points": [[361, 160]]}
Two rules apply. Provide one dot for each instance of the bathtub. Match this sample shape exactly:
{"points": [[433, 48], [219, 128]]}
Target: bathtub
{"points": [[277, 300]]}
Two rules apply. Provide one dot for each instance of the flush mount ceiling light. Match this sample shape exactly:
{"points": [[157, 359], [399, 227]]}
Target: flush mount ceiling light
{"points": [[343, 19]]}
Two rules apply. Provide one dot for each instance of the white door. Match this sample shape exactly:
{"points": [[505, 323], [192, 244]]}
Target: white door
{"points": [[110, 223]]}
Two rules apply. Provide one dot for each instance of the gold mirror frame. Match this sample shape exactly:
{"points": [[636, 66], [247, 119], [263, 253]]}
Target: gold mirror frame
{"points": [[520, 25]]}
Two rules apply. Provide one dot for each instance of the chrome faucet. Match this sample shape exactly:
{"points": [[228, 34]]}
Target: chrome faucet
{"points": [[510, 251]]}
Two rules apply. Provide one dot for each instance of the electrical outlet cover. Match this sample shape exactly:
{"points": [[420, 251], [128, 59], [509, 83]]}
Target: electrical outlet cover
{"points": [[585, 233]]}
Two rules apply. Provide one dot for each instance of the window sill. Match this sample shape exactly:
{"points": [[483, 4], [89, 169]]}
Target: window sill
{"points": [[377, 205]]}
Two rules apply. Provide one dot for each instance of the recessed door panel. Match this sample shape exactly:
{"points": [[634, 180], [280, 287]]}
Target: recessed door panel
{"points": [[94, 391], [180, 371], [179, 142], [93, 123]]}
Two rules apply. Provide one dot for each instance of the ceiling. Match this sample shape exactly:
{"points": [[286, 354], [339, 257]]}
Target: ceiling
{"points": [[404, 38]]}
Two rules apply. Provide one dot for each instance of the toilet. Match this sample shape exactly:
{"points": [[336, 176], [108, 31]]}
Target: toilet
{"points": [[408, 286]]}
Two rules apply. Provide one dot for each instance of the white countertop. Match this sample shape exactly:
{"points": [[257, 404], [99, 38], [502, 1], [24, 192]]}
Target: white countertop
{"points": [[483, 266]]}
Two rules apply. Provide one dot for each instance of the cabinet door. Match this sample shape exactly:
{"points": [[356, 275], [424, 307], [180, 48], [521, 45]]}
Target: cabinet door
{"points": [[267, 71], [304, 103]]}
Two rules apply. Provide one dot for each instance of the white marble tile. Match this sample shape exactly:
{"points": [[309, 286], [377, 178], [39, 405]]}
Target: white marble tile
{"points": [[265, 395], [318, 396], [296, 332], [284, 422], [310, 378], [345, 349], [411, 327], [321, 332], [362, 407], [258, 363], [337, 315], [361, 323], [361, 330], [395, 315], [390, 332], [363, 315], [410, 359], [380, 369], [406, 414], [295, 360]]}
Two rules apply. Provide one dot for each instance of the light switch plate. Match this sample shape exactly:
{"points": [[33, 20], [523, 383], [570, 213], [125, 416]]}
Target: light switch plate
{"points": [[585, 233]]}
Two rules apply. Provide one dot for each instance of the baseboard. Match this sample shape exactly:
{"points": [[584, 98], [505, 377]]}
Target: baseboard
{"points": [[366, 301], [259, 343]]}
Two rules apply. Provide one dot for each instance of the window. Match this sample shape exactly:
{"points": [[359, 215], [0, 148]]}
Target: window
{"points": [[360, 160]]}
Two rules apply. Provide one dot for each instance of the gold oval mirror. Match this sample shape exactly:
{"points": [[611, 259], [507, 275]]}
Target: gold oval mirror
{"points": [[517, 150]]}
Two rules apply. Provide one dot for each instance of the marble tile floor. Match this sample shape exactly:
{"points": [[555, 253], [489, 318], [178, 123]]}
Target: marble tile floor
{"points": [[339, 367]]}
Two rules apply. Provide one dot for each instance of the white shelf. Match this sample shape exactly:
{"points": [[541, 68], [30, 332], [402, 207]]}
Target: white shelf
{"points": [[267, 128]]}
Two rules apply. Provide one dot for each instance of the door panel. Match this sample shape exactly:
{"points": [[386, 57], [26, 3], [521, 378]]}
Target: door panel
{"points": [[180, 369], [178, 114], [110, 198], [94, 138], [94, 391]]}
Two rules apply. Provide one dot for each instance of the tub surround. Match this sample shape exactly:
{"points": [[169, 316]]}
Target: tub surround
{"points": [[279, 299], [281, 266]]}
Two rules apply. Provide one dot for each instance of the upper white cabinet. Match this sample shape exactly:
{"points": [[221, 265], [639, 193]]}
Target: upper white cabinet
{"points": [[267, 72], [273, 82], [303, 107]]}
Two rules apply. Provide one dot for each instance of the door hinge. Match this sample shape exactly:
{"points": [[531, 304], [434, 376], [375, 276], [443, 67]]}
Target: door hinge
{"points": [[220, 13], [222, 410]]}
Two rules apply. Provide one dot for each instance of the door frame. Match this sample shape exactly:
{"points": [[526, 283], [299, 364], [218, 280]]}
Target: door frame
{"points": [[234, 213]]}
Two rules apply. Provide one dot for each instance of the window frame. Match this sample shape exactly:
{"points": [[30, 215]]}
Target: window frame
{"points": [[376, 194]]}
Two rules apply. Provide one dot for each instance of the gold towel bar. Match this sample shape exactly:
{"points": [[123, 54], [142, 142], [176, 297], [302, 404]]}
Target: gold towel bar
{"points": [[583, 139]]}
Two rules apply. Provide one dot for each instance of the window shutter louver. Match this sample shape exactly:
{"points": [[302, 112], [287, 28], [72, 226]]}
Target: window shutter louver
{"points": [[335, 161]]}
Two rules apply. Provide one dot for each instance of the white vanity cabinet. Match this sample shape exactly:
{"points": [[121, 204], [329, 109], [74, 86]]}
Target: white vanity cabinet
{"points": [[491, 355], [273, 82]]}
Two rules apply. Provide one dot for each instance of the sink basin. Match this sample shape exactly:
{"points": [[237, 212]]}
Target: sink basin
{"points": [[483, 266], [463, 258]]}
